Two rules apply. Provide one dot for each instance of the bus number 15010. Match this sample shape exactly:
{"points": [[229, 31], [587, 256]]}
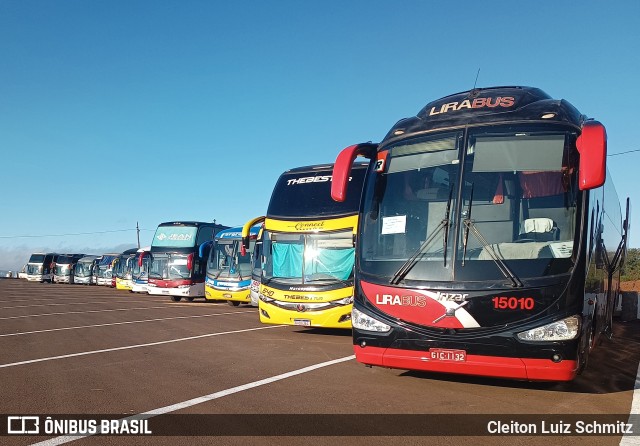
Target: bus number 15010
{"points": [[513, 303]]}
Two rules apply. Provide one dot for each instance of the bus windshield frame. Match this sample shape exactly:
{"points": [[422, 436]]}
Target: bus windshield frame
{"points": [[490, 204], [226, 263], [322, 258], [169, 266]]}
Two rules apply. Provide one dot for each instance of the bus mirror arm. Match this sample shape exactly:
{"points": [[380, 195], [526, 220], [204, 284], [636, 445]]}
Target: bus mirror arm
{"points": [[342, 167], [202, 248]]}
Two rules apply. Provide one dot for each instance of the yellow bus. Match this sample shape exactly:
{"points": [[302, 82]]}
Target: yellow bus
{"points": [[308, 255], [123, 269]]}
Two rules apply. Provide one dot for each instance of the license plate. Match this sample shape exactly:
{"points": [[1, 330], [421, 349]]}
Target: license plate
{"points": [[303, 322], [444, 354], [165, 291]]}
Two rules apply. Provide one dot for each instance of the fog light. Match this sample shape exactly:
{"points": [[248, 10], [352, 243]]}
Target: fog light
{"points": [[264, 313], [345, 317], [363, 344], [556, 358]]}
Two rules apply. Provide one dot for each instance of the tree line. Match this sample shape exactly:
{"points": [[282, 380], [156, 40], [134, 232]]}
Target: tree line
{"points": [[631, 269]]}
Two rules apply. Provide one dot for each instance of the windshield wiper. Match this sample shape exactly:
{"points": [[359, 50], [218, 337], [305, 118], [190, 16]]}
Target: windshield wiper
{"points": [[411, 261], [445, 238], [470, 225]]}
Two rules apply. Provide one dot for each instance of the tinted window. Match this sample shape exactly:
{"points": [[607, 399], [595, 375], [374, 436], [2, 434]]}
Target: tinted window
{"points": [[308, 194], [205, 234], [36, 258], [65, 259]]}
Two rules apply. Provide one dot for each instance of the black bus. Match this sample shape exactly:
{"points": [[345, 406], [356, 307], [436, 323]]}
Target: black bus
{"points": [[490, 239]]}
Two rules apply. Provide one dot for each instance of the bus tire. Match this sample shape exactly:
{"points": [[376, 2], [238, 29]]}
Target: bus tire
{"points": [[176, 298], [583, 360], [233, 303], [190, 299]]}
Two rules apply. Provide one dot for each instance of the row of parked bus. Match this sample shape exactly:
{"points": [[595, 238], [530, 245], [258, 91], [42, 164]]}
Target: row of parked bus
{"points": [[479, 237], [70, 268]]}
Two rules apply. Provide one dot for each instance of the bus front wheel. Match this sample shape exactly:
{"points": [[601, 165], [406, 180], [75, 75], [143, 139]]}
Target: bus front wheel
{"points": [[583, 358], [233, 303], [176, 298]]}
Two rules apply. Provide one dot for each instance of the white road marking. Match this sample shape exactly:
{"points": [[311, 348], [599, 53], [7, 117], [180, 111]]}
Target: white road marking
{"points": [[70, 303], [129, 347], [50, 299], [82, 312], [628, 439], [118, 323], [206, 398]]}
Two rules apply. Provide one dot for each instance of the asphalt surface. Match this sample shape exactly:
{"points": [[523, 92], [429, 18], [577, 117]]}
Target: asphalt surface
{"points": [[75, 350]]}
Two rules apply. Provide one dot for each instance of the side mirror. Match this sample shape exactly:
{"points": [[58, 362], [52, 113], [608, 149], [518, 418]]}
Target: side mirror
{"points": [[592, 145], [342, 168]]}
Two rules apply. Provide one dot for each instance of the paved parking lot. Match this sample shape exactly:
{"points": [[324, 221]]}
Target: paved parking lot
{"points": [[72, 349]]}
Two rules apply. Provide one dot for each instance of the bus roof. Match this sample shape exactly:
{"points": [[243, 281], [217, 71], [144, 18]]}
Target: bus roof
{"points": [[321, 168], [90, 258], [107, 259], [187, 223], [236, 233], [493, 105], [69, 258]]}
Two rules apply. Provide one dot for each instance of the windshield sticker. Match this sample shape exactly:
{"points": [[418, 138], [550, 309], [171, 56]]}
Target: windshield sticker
{"points": [[166, 236], [394, 225]]}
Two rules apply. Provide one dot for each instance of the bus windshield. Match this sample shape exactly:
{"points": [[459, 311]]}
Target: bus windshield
{"points": [[169, 267], [305, 195], [83, 269], [308, 258], [137, 271], [225, 261], [518, 199], [123, 267]]}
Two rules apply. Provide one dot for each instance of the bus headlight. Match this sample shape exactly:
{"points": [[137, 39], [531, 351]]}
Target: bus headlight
{"points": [[563, 330], [345, 301], [362, 321]]}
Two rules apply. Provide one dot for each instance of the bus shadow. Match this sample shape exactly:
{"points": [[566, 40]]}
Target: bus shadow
{"points": [[613, 366], [326, 332]]}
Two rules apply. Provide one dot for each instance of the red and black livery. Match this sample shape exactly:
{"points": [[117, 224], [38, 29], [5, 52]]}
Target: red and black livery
{"points": [[490, 238]]}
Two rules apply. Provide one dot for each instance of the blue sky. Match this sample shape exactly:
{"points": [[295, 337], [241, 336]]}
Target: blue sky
{"points": [[114, 112]]}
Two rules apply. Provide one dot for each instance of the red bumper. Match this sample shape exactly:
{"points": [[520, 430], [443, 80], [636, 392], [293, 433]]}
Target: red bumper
{"points": [[494, 366]]}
